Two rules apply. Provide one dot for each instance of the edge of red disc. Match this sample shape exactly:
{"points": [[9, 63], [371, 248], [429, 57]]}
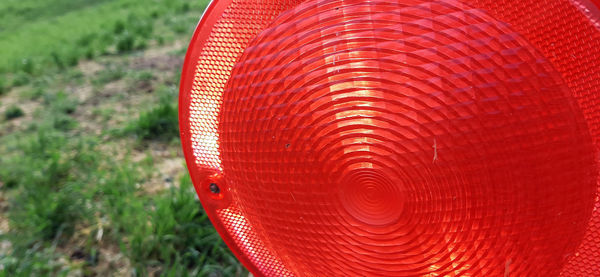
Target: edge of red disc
{"points": [[199, 174]]}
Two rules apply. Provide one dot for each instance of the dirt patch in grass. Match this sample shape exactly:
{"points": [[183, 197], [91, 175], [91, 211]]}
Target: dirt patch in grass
{"points": [[106, 260], [112, 262], [118, 101], [4, 227], [5, 245], [160, 58], [13, 99], [90, 68], [168, 164]]}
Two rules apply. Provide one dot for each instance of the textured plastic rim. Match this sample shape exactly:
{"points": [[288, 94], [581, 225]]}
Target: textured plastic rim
{"points": [[201, 175], [198, 174]]}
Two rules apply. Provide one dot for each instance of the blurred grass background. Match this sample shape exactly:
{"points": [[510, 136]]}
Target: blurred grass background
{"points": [[92, 178]]}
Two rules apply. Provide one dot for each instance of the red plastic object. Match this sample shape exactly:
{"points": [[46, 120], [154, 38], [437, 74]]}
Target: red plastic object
{"points": [[398, 138]]}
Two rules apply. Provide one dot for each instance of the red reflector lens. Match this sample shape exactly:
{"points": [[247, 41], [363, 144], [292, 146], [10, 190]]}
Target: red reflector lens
{"points": [[398, 138]]}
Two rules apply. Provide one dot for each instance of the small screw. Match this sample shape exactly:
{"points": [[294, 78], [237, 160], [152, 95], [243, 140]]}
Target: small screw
{"points": [[214, 188]]}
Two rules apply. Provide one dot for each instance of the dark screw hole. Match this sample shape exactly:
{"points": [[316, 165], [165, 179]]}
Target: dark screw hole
{"points": [[214, 188]]}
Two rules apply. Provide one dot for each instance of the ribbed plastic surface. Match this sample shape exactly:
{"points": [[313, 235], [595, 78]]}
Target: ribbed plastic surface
{"points": [[398, 138]]}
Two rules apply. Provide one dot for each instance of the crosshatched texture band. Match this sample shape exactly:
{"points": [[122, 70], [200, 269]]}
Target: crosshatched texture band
{"points": [[398, 138]]}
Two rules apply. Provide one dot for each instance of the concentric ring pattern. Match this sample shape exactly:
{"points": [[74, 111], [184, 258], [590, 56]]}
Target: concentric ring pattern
{"points": [[399, 138], [405, 138]]}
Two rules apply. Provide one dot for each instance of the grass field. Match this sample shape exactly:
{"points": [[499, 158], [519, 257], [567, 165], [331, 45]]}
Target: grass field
{"points": [[92, 178]]}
